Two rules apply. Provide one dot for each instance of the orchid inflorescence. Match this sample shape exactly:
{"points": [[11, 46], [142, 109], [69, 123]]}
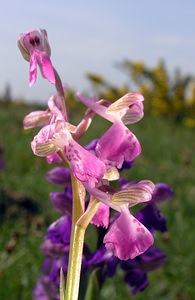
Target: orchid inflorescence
{"points": [[89, 196]]}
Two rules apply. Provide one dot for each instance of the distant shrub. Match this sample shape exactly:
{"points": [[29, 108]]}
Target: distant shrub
{"points": [[165, 95]]}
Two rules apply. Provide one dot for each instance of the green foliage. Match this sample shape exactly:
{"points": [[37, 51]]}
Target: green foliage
{"points": [[93, 289], [62, 285], [169, 96]]}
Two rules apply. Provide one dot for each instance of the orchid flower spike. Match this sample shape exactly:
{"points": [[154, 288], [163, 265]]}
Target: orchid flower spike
{"points": [[35, 48]]}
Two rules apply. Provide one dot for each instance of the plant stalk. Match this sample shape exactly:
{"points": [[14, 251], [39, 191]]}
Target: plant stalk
{"points": [[74, 265], [76, 245]]}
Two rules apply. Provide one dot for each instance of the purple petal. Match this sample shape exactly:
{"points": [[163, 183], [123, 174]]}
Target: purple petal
{"points": [[40, 292], [162, 193], [152, 218], [126, 165], [54, 272], [137, 279], [59, 231], [99, 256], [62, 202], [112, 265], [102, 255], [152, 259], [59, 176], [54, 250], [91, 145]]}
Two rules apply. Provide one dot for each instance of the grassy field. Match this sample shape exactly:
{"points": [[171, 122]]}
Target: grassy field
{"points": [[26, 211]]}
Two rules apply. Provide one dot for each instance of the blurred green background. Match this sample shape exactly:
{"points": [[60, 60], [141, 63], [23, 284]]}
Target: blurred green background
{"points": [[167, 137]]}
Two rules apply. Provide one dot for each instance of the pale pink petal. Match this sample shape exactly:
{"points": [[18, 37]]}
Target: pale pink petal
{"points": [[101, 218], [33, 69], [100, 195], [37, 118], [93, 105], [127, 237], [45, 134], [134, 113], [133, 193], [43, 118], [53, 158], [46, 66], [42, 144], [85, 166], [129, 108], [117, 145]]}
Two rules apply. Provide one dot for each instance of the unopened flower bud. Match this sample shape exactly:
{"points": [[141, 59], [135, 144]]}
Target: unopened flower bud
{"points": [[32, 40]]}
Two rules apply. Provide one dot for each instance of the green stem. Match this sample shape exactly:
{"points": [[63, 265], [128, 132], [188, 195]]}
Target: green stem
{"points": [[74, 265], [60, 91], [76, 245], [80, 221]]}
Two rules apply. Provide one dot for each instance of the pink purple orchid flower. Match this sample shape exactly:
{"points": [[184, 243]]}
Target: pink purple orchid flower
{"points": [[35, 48]]}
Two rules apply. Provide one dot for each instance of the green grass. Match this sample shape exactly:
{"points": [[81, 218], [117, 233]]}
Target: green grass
{"points": [[167, 156]]}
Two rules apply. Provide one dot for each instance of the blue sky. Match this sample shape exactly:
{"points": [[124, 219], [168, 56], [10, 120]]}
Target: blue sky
{"points": [[91, 36]]}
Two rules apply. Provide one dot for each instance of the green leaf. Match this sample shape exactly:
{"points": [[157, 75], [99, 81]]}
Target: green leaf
{"points": [[93, 288], [62, 285]]}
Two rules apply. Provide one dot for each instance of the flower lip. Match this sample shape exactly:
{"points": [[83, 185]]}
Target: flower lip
{"points": [[127, 237]]}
